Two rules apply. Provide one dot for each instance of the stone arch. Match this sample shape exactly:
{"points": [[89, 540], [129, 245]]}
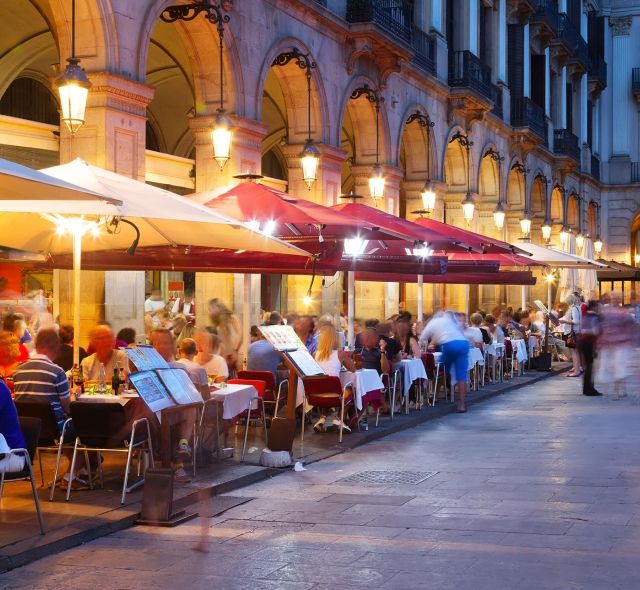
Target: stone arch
{"points": [[454, 162], [556, 210], [422, 140], [538, 197], [573, 211], [292, 80], [489, 175], [634, 239], [592, 219], [516, 190]]}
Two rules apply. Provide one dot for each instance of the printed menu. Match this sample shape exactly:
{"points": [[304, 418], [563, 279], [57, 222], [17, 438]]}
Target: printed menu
{"points": [[151, 390], [305, 364], [179, 386], [145, 358], [281, 337]]}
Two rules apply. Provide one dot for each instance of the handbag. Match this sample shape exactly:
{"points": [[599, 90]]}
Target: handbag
{"points": [[571, 339]]}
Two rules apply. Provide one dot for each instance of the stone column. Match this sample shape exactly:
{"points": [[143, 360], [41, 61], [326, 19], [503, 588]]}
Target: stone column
{"points": [[502, 41], [563, 98], [473, 8], [437, 20], [113, 137], [621, 81], [547, 82], [526, 62]]}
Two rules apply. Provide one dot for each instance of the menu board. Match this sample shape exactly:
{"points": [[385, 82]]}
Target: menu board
{"points": [[304, 362], [281, 337], [180, 386], [145, 358], [151, 390]]}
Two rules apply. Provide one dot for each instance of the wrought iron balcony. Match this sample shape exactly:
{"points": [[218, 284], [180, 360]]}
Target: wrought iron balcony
{"points": [[526, 113], [566, 143], [546, 15], [468, 71], [635, 171], [598, 71], [571, 38], [424, 46], [394, 16]]}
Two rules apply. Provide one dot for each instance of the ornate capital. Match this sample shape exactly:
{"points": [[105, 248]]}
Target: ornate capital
{"points": [[620, 25]]}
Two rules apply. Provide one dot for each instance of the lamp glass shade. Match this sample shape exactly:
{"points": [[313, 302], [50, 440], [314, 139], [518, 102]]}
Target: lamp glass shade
{"points": [[354, 246], [597, 246], [428, 197], [468, 208], [546, 231], [525, 225], [377, 182], [221, 137], [580, 241], [499, 216], [310, 160], [73, 89], [564, 237]]}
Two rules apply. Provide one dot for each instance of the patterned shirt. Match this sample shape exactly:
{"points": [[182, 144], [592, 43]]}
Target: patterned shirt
{"points": [[40, 378]]}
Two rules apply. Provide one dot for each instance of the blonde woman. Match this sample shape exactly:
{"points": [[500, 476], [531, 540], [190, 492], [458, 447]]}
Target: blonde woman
{"points": [[228, 328], [208, 356], [571, 323]]}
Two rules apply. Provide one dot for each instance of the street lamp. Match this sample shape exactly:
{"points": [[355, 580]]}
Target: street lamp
{"points": [[73, 85], [376, 179], [597, 246], [580, 241], [499, 215], [355, 246], [428, 193], [564, 236], [468, 203], [468, 208], [310, 155], [222, 132], [546, 231], [525, 225]]}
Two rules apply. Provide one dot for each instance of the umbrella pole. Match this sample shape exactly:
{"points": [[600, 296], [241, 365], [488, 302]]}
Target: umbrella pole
{"points": [[351, 306], [420, 298], [77, 258], [523, 297], [246, 318], [466, 302], [549, 296]]}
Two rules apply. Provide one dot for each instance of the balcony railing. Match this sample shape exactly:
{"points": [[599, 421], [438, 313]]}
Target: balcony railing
{"points": [[424, 46], [598, 70], [595, 167], [466, 70], [526, 113], [572, 39], [394, 16], [547, 13], [565, 142], [635, 171], [635, 79]]}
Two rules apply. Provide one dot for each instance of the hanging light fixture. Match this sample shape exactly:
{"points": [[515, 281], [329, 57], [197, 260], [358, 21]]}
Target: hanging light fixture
{"points": [[73, 85], [564, 236], [468, 203], [525, 225], [310, 155], [355, 246], [428, 192], [580, 240], [499, 215], [546, 231], [597, 246], [222, 132]]}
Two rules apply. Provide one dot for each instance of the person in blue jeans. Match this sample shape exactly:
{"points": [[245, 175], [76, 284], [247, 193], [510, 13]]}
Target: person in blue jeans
{"points": [[445, 332], [10, 430]]}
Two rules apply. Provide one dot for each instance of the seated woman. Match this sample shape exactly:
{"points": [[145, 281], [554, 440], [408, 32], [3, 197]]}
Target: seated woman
{"points": [[473, 332], [10, 432], [208, 355], [408, 341], [9, 356], [331, 360]]}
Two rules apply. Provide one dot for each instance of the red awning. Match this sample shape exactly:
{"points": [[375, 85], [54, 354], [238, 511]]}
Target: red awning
{"points": [[453, 278]]}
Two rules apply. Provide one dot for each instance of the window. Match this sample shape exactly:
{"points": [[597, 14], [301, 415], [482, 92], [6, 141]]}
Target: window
{"points": [[27, 98]]}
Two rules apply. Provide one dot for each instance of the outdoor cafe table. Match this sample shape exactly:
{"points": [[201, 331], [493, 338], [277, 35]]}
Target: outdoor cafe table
{"points": [[235, 398], [520, 349], [412, 370], [365, 382]]}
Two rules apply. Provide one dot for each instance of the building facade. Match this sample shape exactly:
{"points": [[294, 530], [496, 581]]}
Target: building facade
{"points": [[532, 104]]}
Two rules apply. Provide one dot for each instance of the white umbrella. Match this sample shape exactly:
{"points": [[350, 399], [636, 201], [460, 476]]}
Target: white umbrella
{"points": [[569, 280], [588, 277], [557, 258], [129, 214]]}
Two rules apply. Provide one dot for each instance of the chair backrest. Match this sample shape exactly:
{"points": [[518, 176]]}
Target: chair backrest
{"points": [[257, 383], [31, 431], [42, 410], [323, 391], [266, 376], [429, 362], [508, 348], [104, 425]]}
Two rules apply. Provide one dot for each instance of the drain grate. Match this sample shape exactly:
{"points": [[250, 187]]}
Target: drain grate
{"points": [[379, 478]]}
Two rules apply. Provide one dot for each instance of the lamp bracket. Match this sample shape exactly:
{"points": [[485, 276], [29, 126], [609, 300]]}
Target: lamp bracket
{"points": [[302, 60], [371, 95], [423, 120], [522, 168], [463, 140], [494, 155], [188, 12]]}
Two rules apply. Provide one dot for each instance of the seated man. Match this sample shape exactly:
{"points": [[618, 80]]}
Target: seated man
{"points": [[11, 431], [103, 342], [198, 375], [262, 356], [162, 341], [40, 379]]}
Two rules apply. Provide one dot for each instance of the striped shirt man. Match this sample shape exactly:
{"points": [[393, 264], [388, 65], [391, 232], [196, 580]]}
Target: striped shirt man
{"points": [[40, 378]]}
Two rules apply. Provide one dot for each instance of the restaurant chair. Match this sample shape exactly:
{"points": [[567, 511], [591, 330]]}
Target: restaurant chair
{"points": [[391, 387], [272, 394], [326, 392], [31, 431], [210, 415], [252, 413], [106, 428], [434, 371], [509, 357], [51, 439]]}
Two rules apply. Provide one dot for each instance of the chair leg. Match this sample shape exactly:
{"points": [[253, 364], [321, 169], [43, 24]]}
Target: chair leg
{"points": [[88, 467], [341, 419], [38, 458], [264, 424], [55, 470], [377, 416], [36, 500], [72, 469]]}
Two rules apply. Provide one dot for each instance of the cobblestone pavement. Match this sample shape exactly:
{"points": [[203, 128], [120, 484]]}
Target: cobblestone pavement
{"points": [[538, 489]]}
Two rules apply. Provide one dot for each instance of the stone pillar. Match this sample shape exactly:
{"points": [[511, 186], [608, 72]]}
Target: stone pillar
{"points": [[547, 82], [437, 20], [621, 81], [502, 41], [473, 8], [526, 62], [113, 137], [563, 98]]}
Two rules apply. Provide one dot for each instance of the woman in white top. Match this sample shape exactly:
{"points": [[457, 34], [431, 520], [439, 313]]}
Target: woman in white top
{"points": [[571, 323], [331, 360], [208, 347]]}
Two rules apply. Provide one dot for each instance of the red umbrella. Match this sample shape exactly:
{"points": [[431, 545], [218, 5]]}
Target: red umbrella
{"points": [[461, 278]]}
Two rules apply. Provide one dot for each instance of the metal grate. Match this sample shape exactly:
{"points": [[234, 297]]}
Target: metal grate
{"points": [[379, 478]]}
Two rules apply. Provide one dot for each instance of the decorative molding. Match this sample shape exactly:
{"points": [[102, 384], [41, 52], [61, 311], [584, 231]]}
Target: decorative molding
{"points": [[620, 25]]}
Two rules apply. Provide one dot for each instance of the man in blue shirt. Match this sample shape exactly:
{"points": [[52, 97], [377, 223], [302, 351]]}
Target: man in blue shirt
{"points": [[10, 429], [262, 356]]}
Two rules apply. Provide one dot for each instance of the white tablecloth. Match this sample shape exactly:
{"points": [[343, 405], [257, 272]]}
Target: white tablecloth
{"points": [[364, 381], [101, 398], [495, 349], [520, 349], [235, 398], [412, 369], [474, 356]]}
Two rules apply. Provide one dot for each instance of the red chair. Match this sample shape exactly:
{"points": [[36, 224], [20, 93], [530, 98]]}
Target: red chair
{"points": [[434, 372], [272, 393], [253, 413], [509, 355], [326, 392]]}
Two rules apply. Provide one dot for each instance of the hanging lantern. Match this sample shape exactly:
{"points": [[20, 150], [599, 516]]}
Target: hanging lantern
{"points": [[597, 246], [73, 88], [376, 182], [546, 231], [221, 138], [428, 195], [309, 160], [564, 236], [525, 224], [580, 241], [468, 208], [499, 215]]}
